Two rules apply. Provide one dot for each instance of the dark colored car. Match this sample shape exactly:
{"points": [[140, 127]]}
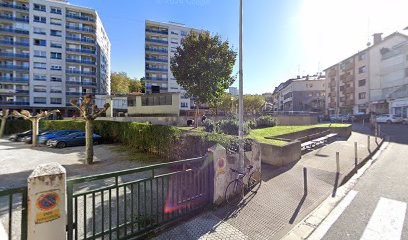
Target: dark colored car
{"points": [[18, 137], [361, 117], [74, 139], [61, 133], [29, 138]]}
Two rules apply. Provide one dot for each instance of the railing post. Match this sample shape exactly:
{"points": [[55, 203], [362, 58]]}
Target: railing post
{"points": [[368, 143], [338, 162], [355, 156], [46, 203]]}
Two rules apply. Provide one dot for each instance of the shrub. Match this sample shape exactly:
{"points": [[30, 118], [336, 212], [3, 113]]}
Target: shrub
{"points": [[209, 125], [230, 127], [265, 121], [16, 125]]}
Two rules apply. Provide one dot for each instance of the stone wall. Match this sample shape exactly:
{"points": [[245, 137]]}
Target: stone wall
{"points": [[290, 120], [280, 155]]}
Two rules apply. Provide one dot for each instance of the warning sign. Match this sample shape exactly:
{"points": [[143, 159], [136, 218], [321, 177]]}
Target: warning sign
{"points": [[221, 166], [47, 204]]}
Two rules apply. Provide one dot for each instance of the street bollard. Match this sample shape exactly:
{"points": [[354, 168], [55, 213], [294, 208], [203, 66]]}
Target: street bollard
{"points": [[363, 122], [355, 155], [305, 180], [379, 131], [338, 162], [368, 143]]}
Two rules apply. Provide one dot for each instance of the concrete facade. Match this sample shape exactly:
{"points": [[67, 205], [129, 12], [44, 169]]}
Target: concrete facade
{"points": [[51, 52], [163, 104], [162, 40]]}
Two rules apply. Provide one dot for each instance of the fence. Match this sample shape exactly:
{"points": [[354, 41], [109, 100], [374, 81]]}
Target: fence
{"points": [[13, 212], [128, 203]]}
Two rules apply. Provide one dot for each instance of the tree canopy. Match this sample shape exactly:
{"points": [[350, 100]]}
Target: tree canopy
{"points": [[203, 66], [121, 83]]}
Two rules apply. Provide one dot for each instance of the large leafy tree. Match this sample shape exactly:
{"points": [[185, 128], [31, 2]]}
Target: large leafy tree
{"points": [[253, 103], [135, 85], [119, 83], [203, 65]]}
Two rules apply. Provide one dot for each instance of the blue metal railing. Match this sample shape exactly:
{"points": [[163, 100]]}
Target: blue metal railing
{"points": [[13, 30], [84, 83], [157, 78], [84, 18], [80, 61], [82, 29], [156, 50], [15, 55], [14, 80], [81, 50], [85, 40], [7, 17], [156, 40], [73, 93], [22, 91], [4, 66], [157, 69], [13, 43], [156, 59], [14, 104], [15, 6], [80, 72], [157, 31]]}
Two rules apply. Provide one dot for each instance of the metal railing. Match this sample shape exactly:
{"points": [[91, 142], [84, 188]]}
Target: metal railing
{"points": [[14, 103], [15, 55], [15, 204], [80, 72], [124, 204], [156, 59], [157, 78], [84, 40], [13, 30], [82, 29], [81, 50], [14, 67], [84, 18], [156, 50], [157, 69], [14, 80], [156, 40], [291, 113], [13, 43], [80, 61], [157, 31], [7, 17], [15, 6]]}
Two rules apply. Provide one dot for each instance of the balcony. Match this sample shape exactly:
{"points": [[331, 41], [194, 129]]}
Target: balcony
{"points": [[15, 6], [13, 30], [156, 69], [23, 92], [81, 50], [81, 61], [81, 29], [13, 67], [14, 55], [78, 17], [152, 59], [156, 50], [78, 83], [157, 41], [11, 18], [13, 43], [81, 72], [73, 93], [14, 103], [157, 31], [156, 78], [83, 40], [74, 83], [14, 80]]}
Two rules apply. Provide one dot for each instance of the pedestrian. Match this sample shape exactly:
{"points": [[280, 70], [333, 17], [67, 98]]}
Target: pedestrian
{"points": [[203, 118]]}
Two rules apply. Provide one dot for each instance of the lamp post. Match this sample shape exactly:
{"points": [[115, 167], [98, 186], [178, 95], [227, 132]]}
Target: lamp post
{"points": [[241, 93]]}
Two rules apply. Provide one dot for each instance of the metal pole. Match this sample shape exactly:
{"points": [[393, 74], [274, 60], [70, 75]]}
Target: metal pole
{"points": [[368, 142], [355, 155], [305, 180], [241, 92], [338, 162]]}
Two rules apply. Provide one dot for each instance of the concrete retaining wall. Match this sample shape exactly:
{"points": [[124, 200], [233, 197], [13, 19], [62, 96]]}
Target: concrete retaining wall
{"points": [[296, 120], [280, 155]]}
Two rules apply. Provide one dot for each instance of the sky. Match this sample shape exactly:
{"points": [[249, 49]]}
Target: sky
{"points": [[281, 38]]}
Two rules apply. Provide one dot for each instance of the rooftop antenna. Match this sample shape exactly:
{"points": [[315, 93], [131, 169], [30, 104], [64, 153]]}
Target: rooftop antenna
{"points": [[368, 32]]}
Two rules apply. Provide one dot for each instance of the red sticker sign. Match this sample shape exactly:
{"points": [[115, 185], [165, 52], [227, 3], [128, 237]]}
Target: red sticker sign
{"points": [[47, 201]]}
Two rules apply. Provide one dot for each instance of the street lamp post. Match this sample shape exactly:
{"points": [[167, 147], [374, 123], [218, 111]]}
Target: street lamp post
{"points": [[241, 93]]}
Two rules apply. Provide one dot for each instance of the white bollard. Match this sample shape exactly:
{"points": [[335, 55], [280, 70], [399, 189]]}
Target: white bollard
{"points": [[46, 203], [218, 156]]}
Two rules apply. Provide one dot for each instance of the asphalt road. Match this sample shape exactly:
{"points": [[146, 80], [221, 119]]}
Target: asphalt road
{"points": [[377, 206]]}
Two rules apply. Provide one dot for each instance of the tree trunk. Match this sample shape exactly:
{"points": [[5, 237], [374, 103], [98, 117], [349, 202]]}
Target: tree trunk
{"points": [[34, 137], [89, 128], [196, 117], [3, 126]]}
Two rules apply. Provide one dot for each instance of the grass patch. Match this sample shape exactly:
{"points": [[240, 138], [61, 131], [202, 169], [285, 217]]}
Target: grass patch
{"points": [[191, 129], [137, 155], [260, 134]]}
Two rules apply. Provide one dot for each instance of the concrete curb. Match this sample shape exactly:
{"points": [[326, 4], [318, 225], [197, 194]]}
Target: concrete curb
{"points": [[311, 222]]}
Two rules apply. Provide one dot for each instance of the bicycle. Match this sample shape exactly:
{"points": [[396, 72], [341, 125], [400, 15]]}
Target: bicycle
{"points": [[236, 188]]}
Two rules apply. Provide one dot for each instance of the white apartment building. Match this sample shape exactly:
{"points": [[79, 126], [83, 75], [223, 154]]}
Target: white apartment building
{"points": [[51, 51], [162, 40], [233, 91]]}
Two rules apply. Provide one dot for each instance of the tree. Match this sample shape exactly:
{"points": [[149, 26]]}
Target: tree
{"points": [[89, 112], [227, 103], [143, 84], [135, 85], [119, 83], [203, 65], [253, 103], [35, 120], [3, 118]]}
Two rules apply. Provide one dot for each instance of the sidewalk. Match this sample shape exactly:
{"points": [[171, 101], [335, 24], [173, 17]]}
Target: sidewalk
{"points": [[280, 202]]}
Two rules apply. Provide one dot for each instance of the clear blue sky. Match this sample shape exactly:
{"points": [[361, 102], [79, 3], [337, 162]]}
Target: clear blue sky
{"points": [[281, 38]]}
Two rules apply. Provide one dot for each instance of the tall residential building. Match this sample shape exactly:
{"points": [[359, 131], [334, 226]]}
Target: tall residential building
{"points": [[233, 91], [51, 51], [368, 80], [300, 94], [162, 40]]}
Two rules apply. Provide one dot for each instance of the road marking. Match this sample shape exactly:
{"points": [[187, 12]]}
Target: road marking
{"points": [[333, 216], [387, 220]]}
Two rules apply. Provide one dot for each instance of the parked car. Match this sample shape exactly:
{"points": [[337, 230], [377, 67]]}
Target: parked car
{"points": [[44, 138], [359, 117], [29, 138], [389, 118], [18, 137], [340, 118], [73, 139], [405, 121]]}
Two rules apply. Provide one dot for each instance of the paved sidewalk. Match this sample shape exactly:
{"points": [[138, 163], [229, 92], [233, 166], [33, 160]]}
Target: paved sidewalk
{"points": [[281, 201]]}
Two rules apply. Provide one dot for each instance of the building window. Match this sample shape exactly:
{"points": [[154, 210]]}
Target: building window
{"points": [[362, 56], [40, 19], [183, 104], [40, 100], [39, 7], [156, 100], [56, 21], [56, 10], [55, 89], [56, 100], [40, 88], [362, 95], [39, 65], [362, 69], [40, 77], [406, 72], [183, 33], [55, 45], [56, 67], [39, 31], [40, 42], [40, 54], [56, 79], [361, 82], [56, 33], [55, 55], [131, 102]]}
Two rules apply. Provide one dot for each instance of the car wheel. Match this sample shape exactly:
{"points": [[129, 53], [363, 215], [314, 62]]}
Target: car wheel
{"points": [[61, 145], [389, 121]]}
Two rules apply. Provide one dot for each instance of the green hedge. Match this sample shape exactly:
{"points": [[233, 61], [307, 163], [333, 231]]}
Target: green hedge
{"points": [[16, 126]]}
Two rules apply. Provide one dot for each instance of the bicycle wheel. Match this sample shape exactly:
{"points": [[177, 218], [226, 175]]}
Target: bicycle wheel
{"points": [[234, 192], [254, 181]]}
